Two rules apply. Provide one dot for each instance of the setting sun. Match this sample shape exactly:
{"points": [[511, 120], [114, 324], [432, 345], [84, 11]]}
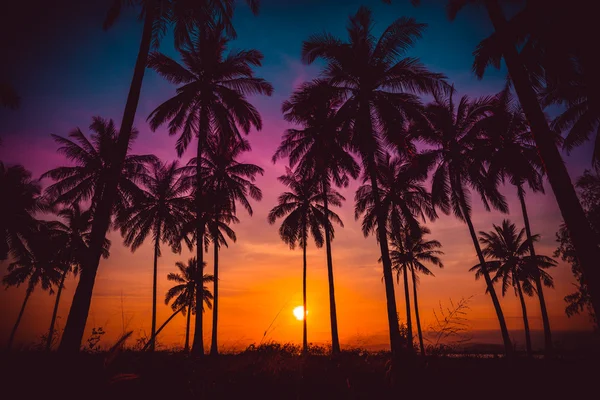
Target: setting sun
{"points": [[299, 313]]}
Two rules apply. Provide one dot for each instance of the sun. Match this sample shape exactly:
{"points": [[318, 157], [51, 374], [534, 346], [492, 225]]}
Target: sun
{"points": [[299, 313]]}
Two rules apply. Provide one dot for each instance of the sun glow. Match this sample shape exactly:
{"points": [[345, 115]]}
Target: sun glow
{"points": [[299, 313]]}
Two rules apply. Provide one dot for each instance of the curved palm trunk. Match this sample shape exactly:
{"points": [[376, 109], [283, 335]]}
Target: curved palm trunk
{"points": [[525, 320], [154, 281], [77, 319], [335, 341], [304, 328], [153, 338], [55, 311], [409, 334], [418, 320], [488, 281], [14, 330], [538, 280], [583, 237], [388, 278], [214, 350], [186, 347]]}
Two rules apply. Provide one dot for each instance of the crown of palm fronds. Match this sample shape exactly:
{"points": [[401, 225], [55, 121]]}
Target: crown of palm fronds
{"points": [[185, 285]]}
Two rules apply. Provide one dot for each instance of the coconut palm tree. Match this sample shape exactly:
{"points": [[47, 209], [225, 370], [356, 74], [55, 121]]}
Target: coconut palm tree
{"points": [[18, 204], [159, 211], [214, 88], [378, 86], [455, 133], [186, 16], [73, 237], [38, 263], [303, 212], [513, 156], [507, 249], [184, 293], [409, 253], [321, 149], [404, 199]]}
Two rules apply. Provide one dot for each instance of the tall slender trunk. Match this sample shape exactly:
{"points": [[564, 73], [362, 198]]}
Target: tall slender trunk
{"points": [[304, 326], [525, 320], [335, 341], [583, 237], [77, 319], [154, 282], [538, 280], [186, 347], [488, 281], [214, 349], [418, 320], [388, 278], [55, 311], [409, 334], [14, 330], [159, 330]]}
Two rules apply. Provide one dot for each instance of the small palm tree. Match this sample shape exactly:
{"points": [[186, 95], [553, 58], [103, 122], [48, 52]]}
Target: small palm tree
{"points": [[211, 101], [184, 292], [160, 210], [378, 86], [18, 204], [303, 211], [409, 253], [507, 251]]}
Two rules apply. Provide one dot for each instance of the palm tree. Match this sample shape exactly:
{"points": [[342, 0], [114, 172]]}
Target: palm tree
{"points": [[378, 89], [409, 253], [73, 238], [584, 239], [319, 148], [303, 211], [184, 293], [403, 198], [455, 132], [514, 156], [507, 249], [212, 101], [36, 264], [160, 211], [18, 204], [157, 16]]}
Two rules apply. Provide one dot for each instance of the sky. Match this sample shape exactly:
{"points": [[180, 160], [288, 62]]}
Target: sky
{"points": [[67, 69]]}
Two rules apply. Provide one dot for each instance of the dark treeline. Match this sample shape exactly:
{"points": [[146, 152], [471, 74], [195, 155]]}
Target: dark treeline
{"points": [[363, 118]]}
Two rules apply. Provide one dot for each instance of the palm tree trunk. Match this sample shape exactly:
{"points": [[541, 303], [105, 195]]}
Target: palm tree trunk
{"points": [[77, 319], [154, 282], [186, 347], [214, 350], [335, 341], [583, 237], [490, 285], [55, 311], [525, 320], [153, 338], [388, 278], [304, 327], [538, 280], [409, 334], [414, 280], [14, 330]]}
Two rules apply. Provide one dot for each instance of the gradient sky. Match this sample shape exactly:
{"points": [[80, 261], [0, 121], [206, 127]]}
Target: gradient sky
{"points": [[67, 69]]}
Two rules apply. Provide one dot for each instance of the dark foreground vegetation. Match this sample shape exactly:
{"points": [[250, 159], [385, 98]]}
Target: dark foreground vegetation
{"points": [[279, 372]]}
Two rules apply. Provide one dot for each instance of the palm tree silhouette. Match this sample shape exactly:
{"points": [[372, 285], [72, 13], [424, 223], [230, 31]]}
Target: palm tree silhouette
{"points": [[379, 90], [403, 198], [184, 293], [18, 204], [157, 16], [214, 89], [73, 237], [409, 253], [36, 264], [303, 211], [514, 156], [507, 249], [160, 210], [455, 132], [320, 149]]}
